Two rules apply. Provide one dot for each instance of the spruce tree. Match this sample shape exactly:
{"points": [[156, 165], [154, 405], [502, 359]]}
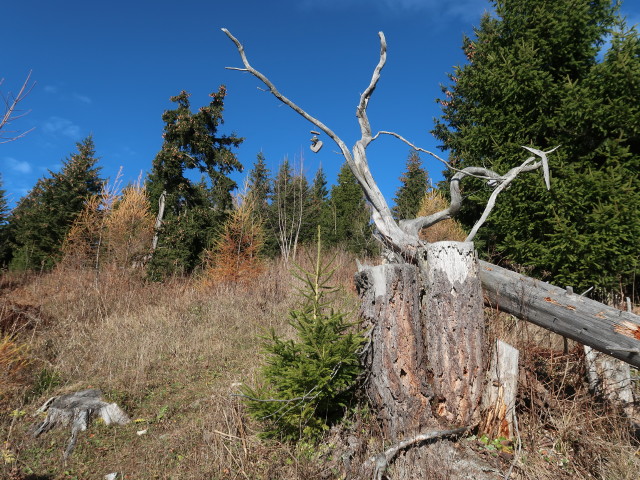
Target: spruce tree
{"points": [[5, 250], [41, 220], [193, 210], [259, 187], [414, 185], [308, 382], [348, 221], [315, 212], [534, 78]]}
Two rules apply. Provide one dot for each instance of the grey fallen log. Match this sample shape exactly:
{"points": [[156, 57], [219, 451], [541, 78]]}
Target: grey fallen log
{"points": [[78, 409], [591, 323]]}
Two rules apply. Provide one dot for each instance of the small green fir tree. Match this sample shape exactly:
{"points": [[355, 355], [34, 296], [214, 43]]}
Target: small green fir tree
{"points": [[308, 382]]}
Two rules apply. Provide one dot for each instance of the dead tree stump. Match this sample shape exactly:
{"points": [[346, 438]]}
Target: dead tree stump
{"points": [[454, 311], [396, 361]]}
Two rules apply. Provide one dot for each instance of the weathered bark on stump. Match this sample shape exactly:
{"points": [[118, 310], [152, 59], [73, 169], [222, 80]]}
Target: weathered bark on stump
{"points": [[396, 360], [454, 309], [425, 359]]}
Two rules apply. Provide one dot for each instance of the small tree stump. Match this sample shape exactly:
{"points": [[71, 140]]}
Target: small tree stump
{"points": [[499, 399]]}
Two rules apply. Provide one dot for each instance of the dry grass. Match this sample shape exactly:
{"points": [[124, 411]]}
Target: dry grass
{"points": [[172, 355], [449, 229]]}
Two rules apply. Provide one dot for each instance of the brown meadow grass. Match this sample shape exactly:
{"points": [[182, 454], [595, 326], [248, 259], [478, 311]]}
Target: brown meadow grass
{"points": [[172, 355]]}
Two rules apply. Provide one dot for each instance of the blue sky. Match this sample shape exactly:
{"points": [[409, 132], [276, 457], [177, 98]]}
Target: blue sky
{"points": [[109, 68]]}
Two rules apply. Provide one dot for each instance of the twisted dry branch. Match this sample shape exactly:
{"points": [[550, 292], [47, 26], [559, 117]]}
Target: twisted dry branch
{"points": [[401, 238]]}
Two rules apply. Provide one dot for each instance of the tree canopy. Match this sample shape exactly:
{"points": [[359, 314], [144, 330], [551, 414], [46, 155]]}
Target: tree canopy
{"points": [[193, 210], [535, 77], [41, 220], [413, 187]]}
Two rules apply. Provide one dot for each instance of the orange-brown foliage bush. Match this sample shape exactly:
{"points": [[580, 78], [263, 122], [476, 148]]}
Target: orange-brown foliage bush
{"points": [[235, 257], [114, 230], [129, 228], [449, 229]]}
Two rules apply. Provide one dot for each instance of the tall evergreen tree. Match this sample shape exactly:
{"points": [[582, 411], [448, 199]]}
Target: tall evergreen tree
{"points": [[316, 208], [5, 250], [41, 220], [259, 186], [348, 215], [414, 184], [534, 78], [193, 210]]}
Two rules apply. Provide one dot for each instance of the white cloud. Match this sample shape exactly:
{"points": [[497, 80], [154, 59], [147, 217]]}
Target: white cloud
{"points": [[82, 98], [17, 165], [50, 89], [61, 126], [467, 10]]}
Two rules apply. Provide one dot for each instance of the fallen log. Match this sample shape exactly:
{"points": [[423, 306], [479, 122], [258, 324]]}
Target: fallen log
{"points": [[591, 323]]}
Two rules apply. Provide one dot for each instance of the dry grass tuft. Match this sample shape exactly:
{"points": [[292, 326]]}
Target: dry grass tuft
{"points": [[14, 360], [450, 229]]}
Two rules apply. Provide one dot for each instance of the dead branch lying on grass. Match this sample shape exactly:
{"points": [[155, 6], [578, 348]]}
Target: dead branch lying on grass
{"points": [[382, 460]]}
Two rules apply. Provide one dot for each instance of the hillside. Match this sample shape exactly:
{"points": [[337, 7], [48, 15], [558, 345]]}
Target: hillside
{"points": [[173, 354]]}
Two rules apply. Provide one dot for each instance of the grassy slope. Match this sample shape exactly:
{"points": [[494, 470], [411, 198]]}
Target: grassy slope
{"points": [[172, 355]]}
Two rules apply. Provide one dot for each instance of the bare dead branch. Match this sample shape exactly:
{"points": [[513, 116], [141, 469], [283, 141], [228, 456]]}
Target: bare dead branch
{"points": [[393, 236], [274, 91], [382, 460], [401, 238], [11, 112]]}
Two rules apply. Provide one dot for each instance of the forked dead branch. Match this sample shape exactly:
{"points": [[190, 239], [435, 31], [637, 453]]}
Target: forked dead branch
{"points": [[401, 238], [426, 360]]}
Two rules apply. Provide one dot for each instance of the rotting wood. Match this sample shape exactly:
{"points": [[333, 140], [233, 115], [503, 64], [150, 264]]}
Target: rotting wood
{"points": [[78, 409], [591, 323], [499, 400]]}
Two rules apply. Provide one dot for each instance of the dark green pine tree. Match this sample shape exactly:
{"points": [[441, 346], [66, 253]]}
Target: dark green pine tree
{"points": [[534, 78], [316, 208], [41, 220], [414, 185], [5, 249], [259, 187], [193, 210], [348, 221]]}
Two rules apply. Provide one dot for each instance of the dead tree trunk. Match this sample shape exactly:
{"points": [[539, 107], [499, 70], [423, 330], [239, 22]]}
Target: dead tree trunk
{"points": [[454, 343], [426, 359], [398, 383]]}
